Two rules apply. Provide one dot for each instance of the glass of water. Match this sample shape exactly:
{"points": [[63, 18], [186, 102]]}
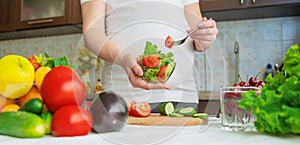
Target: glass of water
{"points": [[234, 118]]}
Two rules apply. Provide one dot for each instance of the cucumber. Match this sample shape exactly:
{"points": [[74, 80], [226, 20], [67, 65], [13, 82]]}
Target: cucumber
{"points": [[200, 115], [47, 118], [188, 111], [34, 105], [177, 115], [178, 109], [21, 124], [166, 108]]}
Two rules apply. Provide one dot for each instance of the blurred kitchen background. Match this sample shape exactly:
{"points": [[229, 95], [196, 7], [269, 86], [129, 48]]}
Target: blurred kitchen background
{"points": [[249, 38]]}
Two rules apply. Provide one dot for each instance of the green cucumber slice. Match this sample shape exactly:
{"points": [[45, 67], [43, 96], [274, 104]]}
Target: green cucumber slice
{"points": [[188, 111], [166, 108], [178, 109], [201, 115], [177, 115]]}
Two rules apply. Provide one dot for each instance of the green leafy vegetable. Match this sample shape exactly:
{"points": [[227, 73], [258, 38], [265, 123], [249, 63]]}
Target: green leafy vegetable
{"points": [[277, 108], [151, 49], [53, 62], [150, 74]]}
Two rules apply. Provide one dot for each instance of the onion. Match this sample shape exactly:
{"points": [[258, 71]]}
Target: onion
{"points": [[109, 112]]}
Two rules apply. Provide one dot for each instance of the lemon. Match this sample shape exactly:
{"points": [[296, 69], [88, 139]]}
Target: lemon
{"points": [[40, 75], [11, 107]]}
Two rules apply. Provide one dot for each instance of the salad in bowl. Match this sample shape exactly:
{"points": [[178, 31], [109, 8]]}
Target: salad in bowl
{"points": [[157, 66]]}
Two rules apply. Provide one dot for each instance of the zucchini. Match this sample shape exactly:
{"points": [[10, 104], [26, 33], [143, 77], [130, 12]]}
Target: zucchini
{"points": [[21, 124]]}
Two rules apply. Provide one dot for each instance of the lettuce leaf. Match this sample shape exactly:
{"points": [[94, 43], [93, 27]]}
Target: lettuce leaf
{"points": [[277, 108], [150, 49]]}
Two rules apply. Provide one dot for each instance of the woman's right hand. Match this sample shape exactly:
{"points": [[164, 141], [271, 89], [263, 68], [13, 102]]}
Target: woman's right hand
{"points": [[135, 73]]}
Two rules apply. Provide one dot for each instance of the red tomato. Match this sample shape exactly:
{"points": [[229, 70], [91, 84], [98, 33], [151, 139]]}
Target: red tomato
{"points": [[34, 62], [71, 120], [142, 109], [131, 106], [151, 61], [169, 42], [162, 73], [62, 86]]}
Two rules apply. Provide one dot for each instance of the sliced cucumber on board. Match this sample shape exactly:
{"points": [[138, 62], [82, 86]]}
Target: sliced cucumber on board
{"points": [[200, 115], [188, 111], [177, 115], [166, 108], [178, 109]]}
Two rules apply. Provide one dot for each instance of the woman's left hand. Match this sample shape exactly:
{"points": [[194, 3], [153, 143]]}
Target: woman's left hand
{"points": [[206, 35]]}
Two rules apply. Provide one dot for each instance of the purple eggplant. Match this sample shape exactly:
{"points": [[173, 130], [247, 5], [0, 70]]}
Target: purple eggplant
{"points": [[109, 112]]}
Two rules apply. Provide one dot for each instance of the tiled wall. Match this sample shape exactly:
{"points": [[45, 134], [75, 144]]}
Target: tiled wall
{"points": [[261, 41]]}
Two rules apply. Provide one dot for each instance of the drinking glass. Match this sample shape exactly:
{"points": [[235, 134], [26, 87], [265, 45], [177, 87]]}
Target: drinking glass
{"points": [[234, 118]]}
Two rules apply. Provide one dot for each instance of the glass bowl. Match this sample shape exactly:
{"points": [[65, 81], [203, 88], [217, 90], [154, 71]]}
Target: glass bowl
{"points": [[159, 73]]}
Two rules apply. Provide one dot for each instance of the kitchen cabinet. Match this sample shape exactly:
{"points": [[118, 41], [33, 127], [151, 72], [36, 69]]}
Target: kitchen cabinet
{"points": [[249, 9], [37, 13], [216, 5], [7, 15], [35, 18], [258, 3]]}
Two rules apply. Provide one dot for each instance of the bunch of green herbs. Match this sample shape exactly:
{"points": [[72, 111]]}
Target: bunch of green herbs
{"points": [[46, 60]]}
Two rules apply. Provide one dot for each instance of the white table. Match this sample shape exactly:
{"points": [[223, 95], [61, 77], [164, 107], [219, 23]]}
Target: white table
{"points": [[210, 134]]}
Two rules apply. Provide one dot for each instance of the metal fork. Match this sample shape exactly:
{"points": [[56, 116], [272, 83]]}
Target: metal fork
{"points": [[181, 41]]}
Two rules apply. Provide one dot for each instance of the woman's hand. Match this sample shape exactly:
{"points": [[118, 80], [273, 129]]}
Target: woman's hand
{"points": [[205, 36], [135, 73]]}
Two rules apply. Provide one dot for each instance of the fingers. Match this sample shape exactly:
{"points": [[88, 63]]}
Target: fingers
{"points": [[207, 23], [205, 31], [138, 82], [135, 77], [204, 37], [137, 70]]}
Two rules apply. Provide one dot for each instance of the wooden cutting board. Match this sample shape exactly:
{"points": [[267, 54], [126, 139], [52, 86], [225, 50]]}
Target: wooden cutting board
{"points": [[156, 119]]}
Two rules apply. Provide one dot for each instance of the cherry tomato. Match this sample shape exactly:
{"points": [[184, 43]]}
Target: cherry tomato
{"points": [[142, 109], [131, 106], [71, 120], [162, 73], [34, 62], [169, 42], [151, 61], [62, 86]]}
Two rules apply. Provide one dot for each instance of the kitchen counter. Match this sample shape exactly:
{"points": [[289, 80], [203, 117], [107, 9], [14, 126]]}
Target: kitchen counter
{"points": [[210, 134]]}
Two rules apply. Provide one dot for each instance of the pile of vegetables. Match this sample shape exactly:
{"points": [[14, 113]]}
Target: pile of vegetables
{"points": [[50, 98], [277, 108]]}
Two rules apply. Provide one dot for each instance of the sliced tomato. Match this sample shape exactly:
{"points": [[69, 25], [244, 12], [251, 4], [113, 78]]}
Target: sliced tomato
{"points": [[169, 42], [34, 62], [142, 109], [151, 61], [162, 73], [131, 106]]}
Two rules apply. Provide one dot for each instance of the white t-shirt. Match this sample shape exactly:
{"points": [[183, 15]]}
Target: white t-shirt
{"points": [[129, 24]]}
